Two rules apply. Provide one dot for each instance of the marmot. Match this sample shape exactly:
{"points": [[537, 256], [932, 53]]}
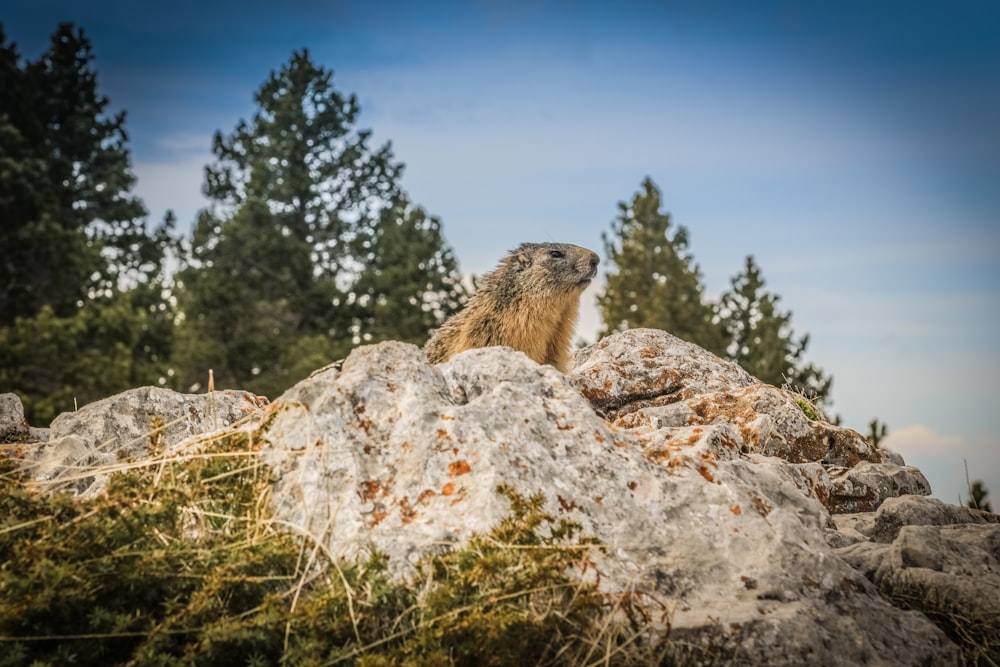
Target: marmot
{"points": [[530, 302]]}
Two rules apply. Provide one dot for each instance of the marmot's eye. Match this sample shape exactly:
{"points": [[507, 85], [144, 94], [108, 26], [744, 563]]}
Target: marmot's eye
{"points": [[556, 254]]}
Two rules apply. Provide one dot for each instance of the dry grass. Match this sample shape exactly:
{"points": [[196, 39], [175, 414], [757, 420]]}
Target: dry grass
{"points": [[975, 631], [179, 561]]}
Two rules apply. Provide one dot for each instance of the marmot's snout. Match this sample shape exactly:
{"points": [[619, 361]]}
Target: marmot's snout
{"points": [[592, 263]]}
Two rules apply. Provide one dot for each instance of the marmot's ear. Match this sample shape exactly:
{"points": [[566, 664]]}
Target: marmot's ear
{"points": [[523, 259]]}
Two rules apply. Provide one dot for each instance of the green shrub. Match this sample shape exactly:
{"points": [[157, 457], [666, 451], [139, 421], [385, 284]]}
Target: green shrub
{"points": [[179, 562]]}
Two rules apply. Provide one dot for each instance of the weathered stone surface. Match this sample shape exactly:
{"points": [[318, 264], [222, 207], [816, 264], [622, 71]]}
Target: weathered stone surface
{"points": [[71, 463], [643, 368], [866, 486], [946, 553], [123, 423], [656, 386], [649, 377], [14, 429], [711, 491], [122, 426], [895, 513], [391, 453]]}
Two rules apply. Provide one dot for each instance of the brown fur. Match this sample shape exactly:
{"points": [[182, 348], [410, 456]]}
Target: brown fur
{"points": [[529, 302]]}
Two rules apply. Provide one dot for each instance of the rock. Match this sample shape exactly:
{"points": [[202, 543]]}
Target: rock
{"points": [[638, 376], [123, 426], [866, 486], [123, 423], [710, 491], [14, 429], [393, 454], [883, 526], [649, 381], [943, 557], [73, 464]]}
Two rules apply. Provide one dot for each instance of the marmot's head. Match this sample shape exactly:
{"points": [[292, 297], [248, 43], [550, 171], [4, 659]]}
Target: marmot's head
{"points": [[553, 268]]}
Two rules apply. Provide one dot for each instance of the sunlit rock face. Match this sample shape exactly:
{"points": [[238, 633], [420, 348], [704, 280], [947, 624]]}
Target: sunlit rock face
{"points": [[711, 492], [740, 523]]}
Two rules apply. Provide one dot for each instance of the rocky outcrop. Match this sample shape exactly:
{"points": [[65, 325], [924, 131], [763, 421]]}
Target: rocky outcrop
{"points": [[14, 429], [662, 451], [103, 435], [746, 525], [656, 386]]}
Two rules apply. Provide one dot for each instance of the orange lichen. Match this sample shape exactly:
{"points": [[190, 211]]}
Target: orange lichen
{"points": [[567, 505], [456, 468], [448, 489], [762, 507], [370, 489], [406, 512]]}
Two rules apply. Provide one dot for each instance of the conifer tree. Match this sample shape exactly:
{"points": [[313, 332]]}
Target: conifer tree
{"points": [[653, 280], [82, 307], [978, 494], [410, 283], [761, 340], [304, 252], [877, 431], [65, 182]]}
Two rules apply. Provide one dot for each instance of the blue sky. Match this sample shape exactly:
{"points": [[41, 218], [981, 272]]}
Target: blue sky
{"points": [[853, 148]]}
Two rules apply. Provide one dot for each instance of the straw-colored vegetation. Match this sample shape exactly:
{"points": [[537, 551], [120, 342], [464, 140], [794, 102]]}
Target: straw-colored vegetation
{"points": [[977, 633], [180, 562]]}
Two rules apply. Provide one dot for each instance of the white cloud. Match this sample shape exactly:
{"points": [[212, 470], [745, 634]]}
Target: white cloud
{"points": [[920, 438]]}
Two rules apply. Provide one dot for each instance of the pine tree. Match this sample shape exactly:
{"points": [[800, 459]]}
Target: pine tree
{"points": [[410, 283], [82, 308], [302, 156], [761, 340], [268, 291], [654, 281], [877, 431], [66, 180], [977, 497], [241, 306]]}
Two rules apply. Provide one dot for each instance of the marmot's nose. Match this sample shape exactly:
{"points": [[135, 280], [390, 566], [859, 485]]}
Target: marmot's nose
{"points": [[595, 259]]}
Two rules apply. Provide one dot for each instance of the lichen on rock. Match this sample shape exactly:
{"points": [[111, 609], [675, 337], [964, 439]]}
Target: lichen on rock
{"points": [[740, 521]]}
